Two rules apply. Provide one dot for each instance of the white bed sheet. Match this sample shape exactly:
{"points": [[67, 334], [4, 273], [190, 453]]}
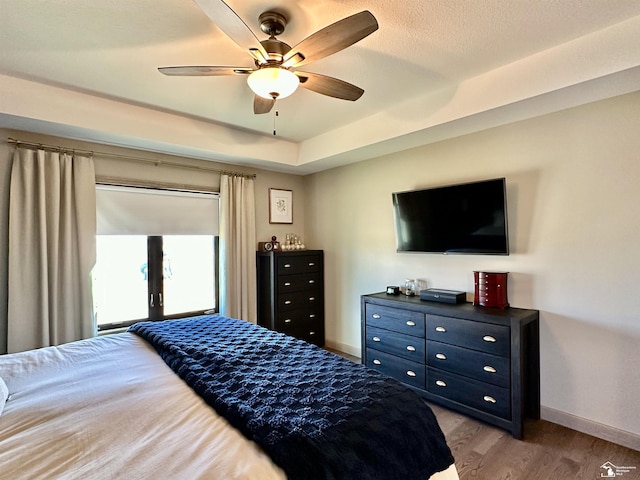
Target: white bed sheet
{"points": [[110, 408]]}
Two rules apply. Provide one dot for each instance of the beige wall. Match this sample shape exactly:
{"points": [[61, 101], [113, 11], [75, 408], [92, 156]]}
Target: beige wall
{"points": [[573, 190], [109, 166]]}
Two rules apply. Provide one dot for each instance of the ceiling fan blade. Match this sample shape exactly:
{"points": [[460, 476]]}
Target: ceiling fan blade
{"points": [[231, 24], [331, 39], [329, 86], [203, 71], [262, 105]]}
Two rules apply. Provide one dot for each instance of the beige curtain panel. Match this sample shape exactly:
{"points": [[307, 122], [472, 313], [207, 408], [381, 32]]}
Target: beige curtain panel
{"points": [[238, 248], [52, 249]]}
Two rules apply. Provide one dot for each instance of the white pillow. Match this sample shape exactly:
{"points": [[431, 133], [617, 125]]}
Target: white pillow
{"points": [[4, 394]]}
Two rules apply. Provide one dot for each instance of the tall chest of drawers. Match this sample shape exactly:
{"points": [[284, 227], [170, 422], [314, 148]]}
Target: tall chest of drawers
{"points": [[483, 362], [291, 293]]}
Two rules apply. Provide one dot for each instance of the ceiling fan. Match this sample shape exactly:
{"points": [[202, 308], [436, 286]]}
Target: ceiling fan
{"points": [[275, 73]]}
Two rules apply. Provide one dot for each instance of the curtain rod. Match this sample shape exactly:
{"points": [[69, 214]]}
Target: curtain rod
{"points": [[56, 148]]}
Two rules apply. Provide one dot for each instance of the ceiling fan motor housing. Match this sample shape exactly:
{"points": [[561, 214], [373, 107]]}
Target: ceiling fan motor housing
{"points": [[272, 23], [276, 49]]}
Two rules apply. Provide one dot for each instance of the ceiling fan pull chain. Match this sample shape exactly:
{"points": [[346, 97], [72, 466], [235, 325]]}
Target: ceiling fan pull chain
{"points": [[274, 122]]}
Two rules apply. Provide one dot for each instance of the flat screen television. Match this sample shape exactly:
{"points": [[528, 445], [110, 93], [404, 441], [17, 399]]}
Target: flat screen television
{"points": [[468, 218]]}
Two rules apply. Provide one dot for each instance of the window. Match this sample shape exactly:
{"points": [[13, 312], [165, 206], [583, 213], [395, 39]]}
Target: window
{"points": [[157, 255]]}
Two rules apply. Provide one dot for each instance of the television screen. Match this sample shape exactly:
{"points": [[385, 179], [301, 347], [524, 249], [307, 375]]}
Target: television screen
{"points": [[467, 218]]}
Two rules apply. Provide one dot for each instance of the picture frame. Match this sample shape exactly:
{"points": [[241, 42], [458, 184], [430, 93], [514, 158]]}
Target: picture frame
{"points": [[280, 206]]}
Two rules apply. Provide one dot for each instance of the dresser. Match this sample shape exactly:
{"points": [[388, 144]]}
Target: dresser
{"points": [[483, 362], [291, 293]]}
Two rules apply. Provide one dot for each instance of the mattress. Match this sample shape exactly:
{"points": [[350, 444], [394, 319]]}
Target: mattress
{"points": [[110, 408]]}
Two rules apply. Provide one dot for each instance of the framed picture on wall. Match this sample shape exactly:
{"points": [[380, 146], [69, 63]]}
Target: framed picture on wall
{"points": [[280, 206]]}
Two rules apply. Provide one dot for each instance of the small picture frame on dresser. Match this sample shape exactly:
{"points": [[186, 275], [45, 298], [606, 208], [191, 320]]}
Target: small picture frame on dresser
{"points": [[280, 206]]}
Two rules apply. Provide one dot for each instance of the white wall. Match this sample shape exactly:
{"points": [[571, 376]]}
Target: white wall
{"points": [[573, 192]]}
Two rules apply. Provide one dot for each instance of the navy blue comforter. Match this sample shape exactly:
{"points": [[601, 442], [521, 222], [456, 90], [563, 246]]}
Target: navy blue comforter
{"points": [[317, 415]]}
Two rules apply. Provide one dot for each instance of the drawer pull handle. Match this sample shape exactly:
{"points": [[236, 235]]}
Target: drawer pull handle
{"points": [[376, 339], [411, 324], [440, 383], [312, 333], [311, 299], [375, 315], [287, 265], [312, 264], [287, 284], [441, 356], [288, 320], [377, 362], [411, 348], [489, 368], [411, 373], [441, 329], [490, 399], [489, 338], [312, 282], [312, 315], [287, 302]]}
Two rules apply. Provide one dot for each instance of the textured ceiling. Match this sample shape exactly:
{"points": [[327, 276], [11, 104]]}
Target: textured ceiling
{"points": [[427, 66]]}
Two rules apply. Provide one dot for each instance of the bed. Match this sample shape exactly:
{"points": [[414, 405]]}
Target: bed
{"points": [[207, 398]]}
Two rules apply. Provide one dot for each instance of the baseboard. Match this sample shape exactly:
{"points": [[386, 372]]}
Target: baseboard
{"points": [[341, 347], [605, 432]]}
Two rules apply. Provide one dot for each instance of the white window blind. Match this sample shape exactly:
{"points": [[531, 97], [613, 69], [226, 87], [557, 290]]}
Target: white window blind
{"points": [[143, 211]]}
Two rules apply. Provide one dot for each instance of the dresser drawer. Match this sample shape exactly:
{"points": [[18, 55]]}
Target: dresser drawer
{"points": [[294, 318], [286, 265], [470, 363], [303, 326], [299, 282], [411, 373], [406, 346], [295, 300], [395, 319], [315, 336], [497, 278], [485, 337], [491, 282], [482, 396]]}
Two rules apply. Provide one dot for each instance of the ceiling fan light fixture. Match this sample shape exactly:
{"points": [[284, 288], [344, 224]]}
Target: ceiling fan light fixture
{"points": [[273, 82]]}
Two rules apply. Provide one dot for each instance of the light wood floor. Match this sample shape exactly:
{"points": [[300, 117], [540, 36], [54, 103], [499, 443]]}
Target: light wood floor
{"points": [[547, 452]]}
